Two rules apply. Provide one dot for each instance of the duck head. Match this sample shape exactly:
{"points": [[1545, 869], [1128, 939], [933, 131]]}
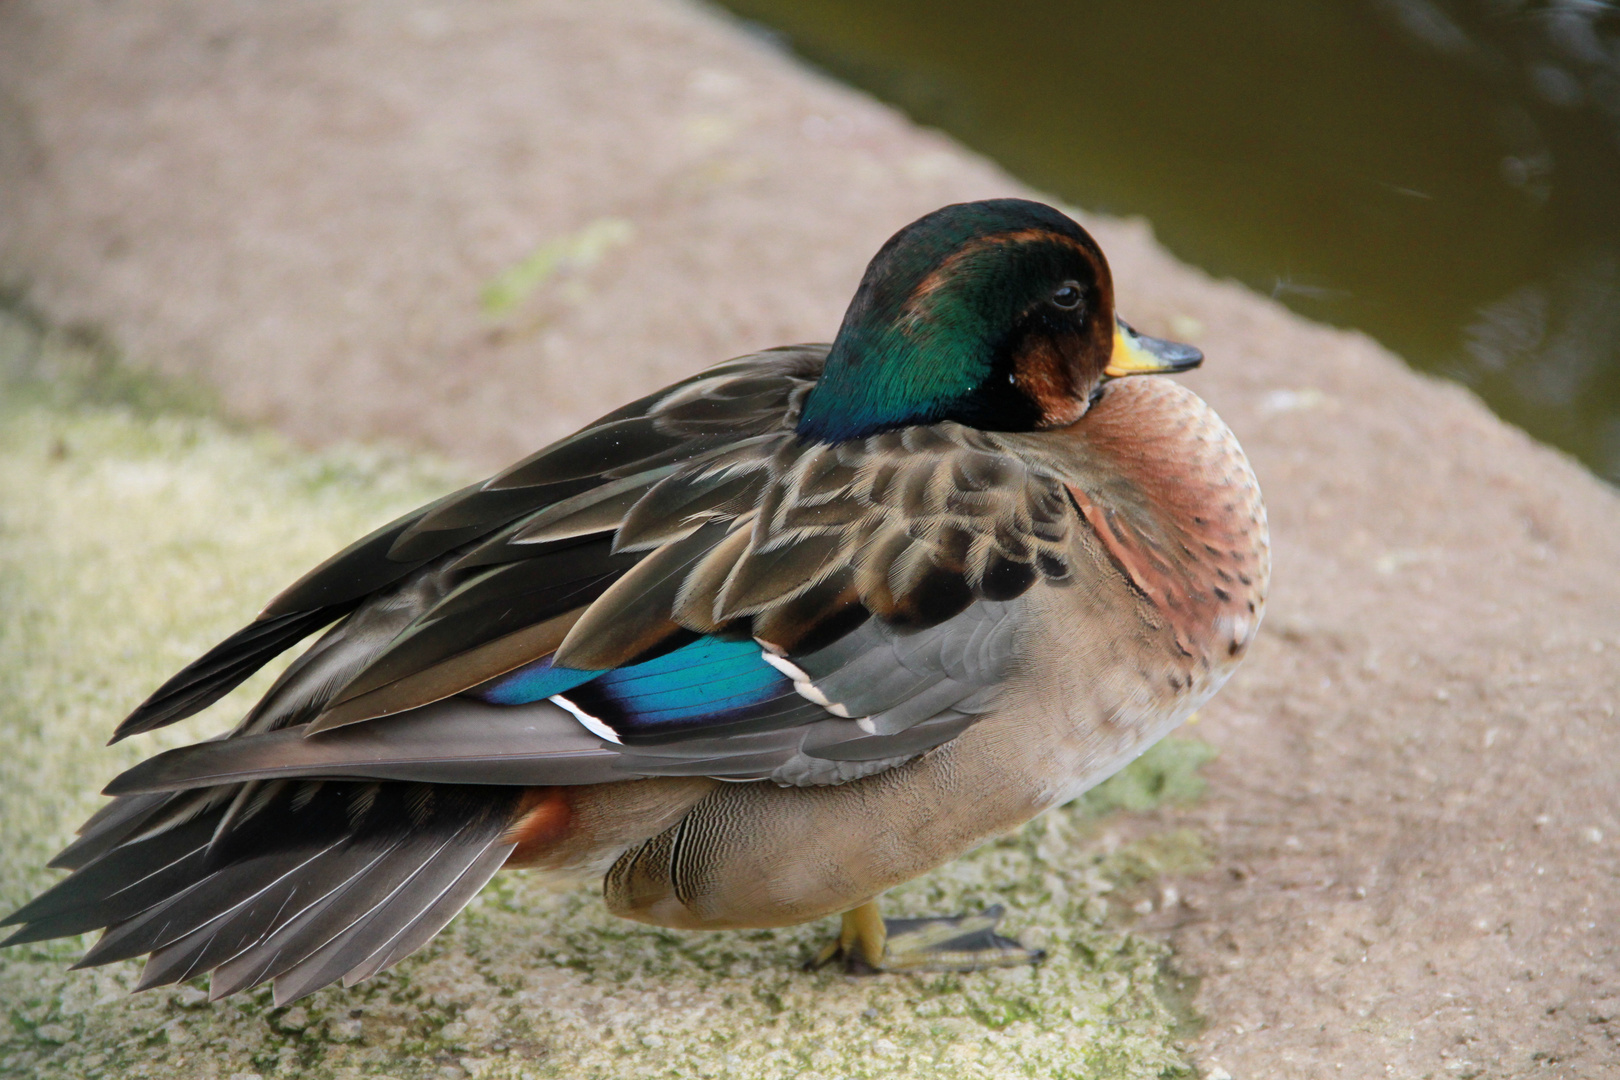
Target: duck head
{"points": [[997, 314]]}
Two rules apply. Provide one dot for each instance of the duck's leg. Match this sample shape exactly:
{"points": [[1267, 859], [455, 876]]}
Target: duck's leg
{"points": [[863, 937], [868, 942]]}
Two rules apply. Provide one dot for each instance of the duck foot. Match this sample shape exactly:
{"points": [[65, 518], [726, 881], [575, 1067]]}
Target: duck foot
{"points": [[868, 943]]}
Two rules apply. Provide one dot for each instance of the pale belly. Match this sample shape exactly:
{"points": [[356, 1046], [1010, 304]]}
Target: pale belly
{"points": [[758, 855]]}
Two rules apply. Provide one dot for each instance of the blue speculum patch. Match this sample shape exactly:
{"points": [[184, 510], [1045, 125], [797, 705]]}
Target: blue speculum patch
{"points": [[709, 681], [534, 682]]}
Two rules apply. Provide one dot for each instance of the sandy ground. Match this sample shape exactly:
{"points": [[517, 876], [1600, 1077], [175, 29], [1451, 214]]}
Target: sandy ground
{"points": [[473, 228]]}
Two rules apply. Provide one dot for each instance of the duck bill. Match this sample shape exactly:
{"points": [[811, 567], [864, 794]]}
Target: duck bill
{"points": [[1138, 354]]}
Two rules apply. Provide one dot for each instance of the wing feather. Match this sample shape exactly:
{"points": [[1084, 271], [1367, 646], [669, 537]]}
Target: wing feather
{"points": [[635, 614], [457, 741], [224, 667]]}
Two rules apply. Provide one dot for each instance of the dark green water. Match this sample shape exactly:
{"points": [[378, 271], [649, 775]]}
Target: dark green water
{"points": [[1443, 174]]}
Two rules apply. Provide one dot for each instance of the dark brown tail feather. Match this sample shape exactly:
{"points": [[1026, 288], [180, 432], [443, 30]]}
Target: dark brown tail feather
{"points": [[321, 880]]}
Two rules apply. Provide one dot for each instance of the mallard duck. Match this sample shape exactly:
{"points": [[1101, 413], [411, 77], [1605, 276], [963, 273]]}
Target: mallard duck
{"points": [[750, 650]]}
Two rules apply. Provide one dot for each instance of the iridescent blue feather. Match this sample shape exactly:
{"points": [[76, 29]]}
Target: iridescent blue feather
{"points": [[711, 681]]}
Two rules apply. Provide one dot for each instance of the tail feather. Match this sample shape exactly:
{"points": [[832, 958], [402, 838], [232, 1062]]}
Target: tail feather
{"points": [[264, 886], [327, 880], [267, 911], [379, 923], [434, 917], [118, 886], [302, 923], [108, 827]]}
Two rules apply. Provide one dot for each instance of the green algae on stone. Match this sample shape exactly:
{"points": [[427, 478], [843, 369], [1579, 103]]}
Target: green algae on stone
{"points": [[573, 253], [131, 543], [77, 365], [1166, 773]]}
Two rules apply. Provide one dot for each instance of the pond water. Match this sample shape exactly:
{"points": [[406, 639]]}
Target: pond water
{"points": [[1442, 174]]}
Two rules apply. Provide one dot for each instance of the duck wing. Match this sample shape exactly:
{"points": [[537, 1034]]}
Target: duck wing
{"points": [[382, 582], [733, 601]]}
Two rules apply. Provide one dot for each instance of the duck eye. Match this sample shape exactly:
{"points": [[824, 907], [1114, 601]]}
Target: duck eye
{"points": [[1067, 297]]}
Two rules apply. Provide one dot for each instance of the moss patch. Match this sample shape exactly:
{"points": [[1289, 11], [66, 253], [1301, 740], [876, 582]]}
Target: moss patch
{"points": [[76, 365], [1166, 773], [131, 540]]}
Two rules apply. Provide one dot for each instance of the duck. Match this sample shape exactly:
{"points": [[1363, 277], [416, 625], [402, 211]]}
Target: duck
{"points": [[749, 651]]}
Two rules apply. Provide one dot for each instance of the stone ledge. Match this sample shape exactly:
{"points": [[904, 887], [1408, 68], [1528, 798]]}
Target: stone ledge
{"points": [[1412, 827]]}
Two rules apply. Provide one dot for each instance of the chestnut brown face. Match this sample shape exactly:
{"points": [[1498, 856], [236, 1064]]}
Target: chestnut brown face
{"points": [[1059, 349]]}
